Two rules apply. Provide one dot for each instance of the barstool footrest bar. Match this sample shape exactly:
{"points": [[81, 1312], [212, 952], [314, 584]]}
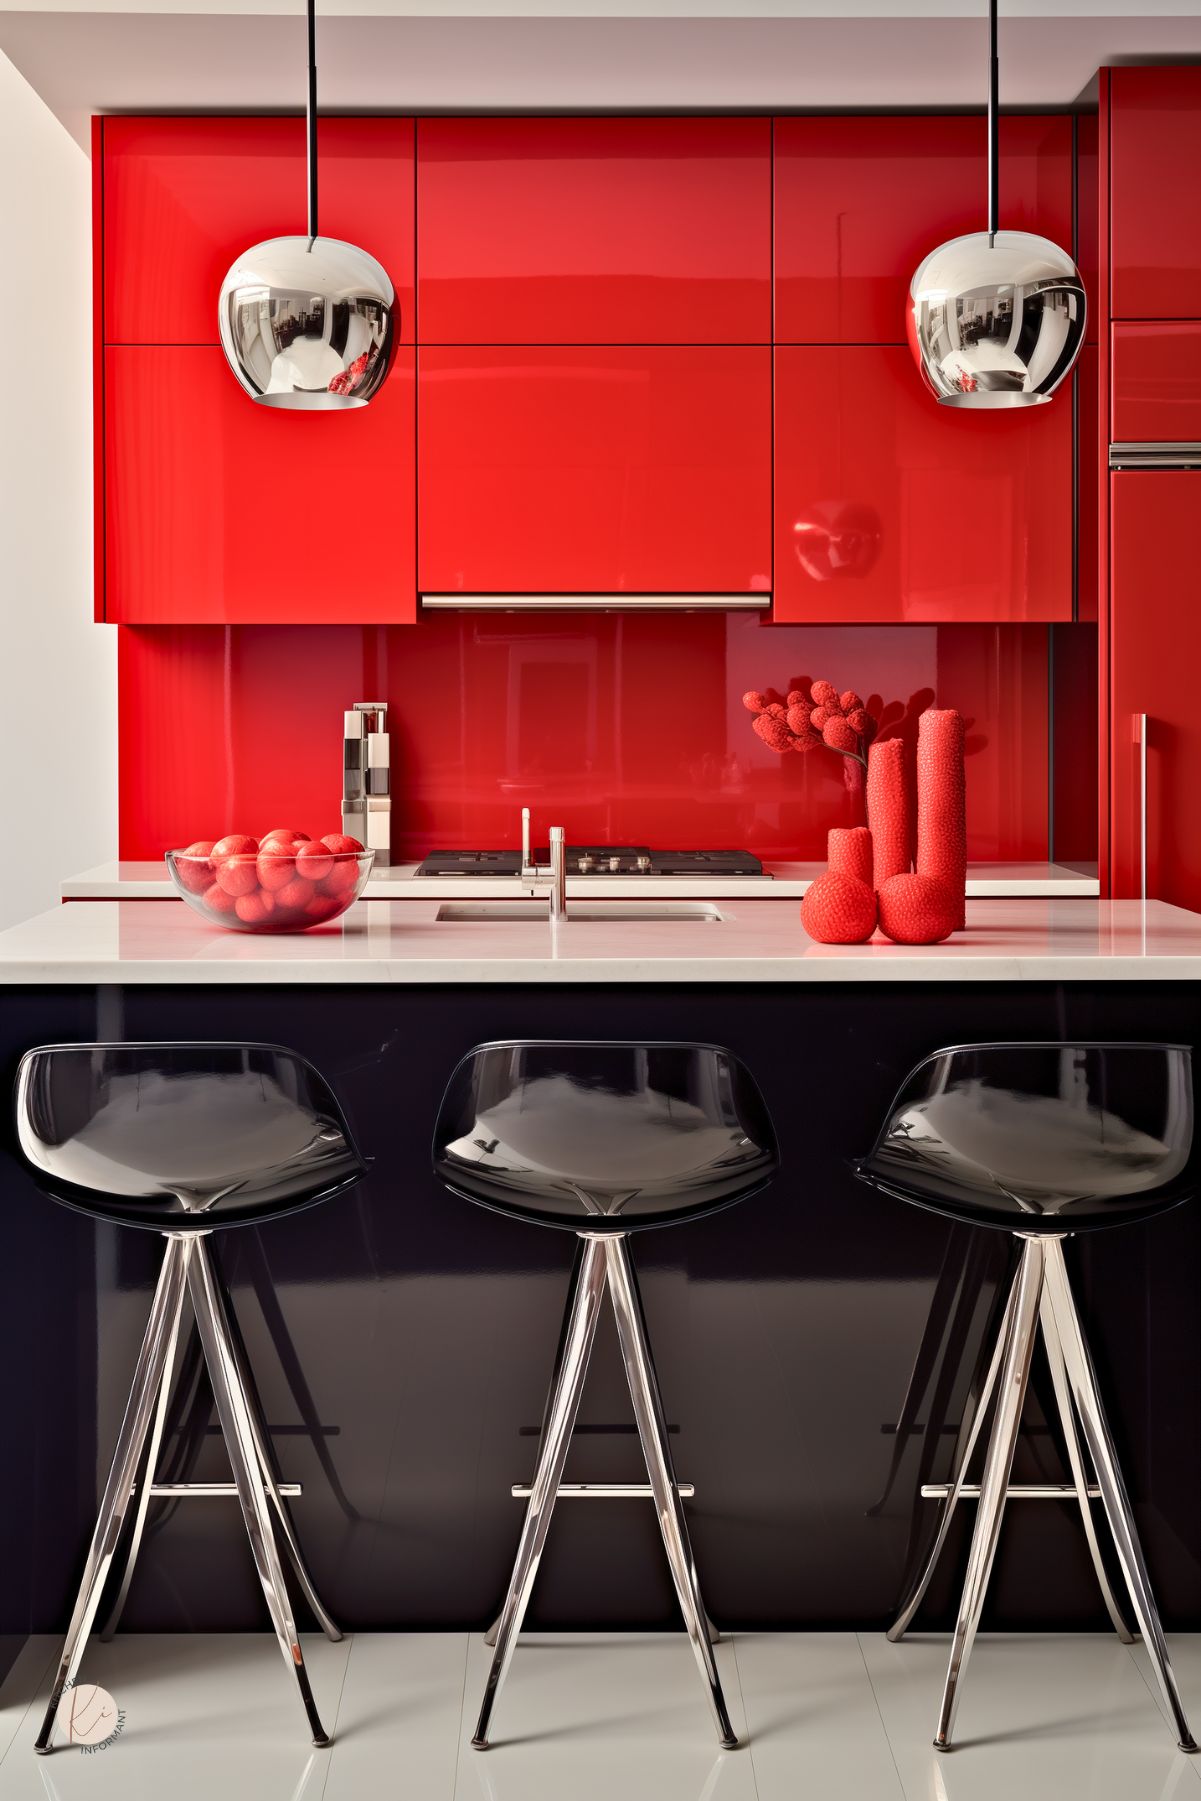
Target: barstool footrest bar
{"points": [[1017, 1491], [176, 1491], [604, 1491]]}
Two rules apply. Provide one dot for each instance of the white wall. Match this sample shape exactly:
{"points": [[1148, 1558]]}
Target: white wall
{"points": [[58, 671]]}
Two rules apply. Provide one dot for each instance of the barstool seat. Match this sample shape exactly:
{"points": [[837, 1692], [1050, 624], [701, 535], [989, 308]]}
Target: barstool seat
{"points": [[1043, 1140], [603, 1139], [185, 1139]]}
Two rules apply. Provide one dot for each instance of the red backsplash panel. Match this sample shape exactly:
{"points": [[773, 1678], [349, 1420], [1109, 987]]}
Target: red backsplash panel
{"points": [[623, 727]]}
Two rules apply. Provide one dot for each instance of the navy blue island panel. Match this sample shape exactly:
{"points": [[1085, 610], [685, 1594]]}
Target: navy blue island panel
{"points": [[402, 1339]]}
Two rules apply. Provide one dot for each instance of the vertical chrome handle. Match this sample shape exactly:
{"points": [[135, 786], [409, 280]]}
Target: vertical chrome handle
{"points": [[1140, 738], [525, 839], [558, 874]]}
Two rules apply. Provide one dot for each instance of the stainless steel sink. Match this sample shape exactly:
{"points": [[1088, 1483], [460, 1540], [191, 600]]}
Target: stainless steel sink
{"points": [[614, 912]]}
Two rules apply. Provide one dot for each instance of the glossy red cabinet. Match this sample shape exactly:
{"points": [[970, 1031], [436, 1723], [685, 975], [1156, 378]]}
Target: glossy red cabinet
{"points": [[1155, 660], [182, 197], [890, 507], [859, 201], [584, 471], [221, 511], [1156, 384], [594, 230], [1155, 193]]}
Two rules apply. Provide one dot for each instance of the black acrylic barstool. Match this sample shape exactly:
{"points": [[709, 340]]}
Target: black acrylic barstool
{"points": [[185, 1139], [1042, 1141], [603, 1139]]}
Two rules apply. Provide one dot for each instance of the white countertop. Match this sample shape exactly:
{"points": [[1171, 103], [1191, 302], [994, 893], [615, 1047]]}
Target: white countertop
{"points": [[754, 941], [785, 881]]}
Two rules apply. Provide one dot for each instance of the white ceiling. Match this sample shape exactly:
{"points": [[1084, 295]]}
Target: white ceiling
{"points": [[396, 55]]}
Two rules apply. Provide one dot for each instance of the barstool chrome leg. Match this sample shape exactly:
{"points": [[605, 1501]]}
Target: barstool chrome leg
{"points": [[652, 1430], [1015, 1374], [262, 1449], [248, 1477], [1067, 1420], [564, 1405], [1114, 1497], [157, 1349], [904, 1619], [142, 1507]]}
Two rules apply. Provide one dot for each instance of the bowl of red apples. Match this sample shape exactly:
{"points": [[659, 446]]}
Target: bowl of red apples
{"points": [[284, 881]]}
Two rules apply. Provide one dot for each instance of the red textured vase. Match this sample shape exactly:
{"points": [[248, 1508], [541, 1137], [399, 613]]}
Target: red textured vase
{"points": [[888, 810], [918, 909], [941, 807], [849, 852], [839, 909]]}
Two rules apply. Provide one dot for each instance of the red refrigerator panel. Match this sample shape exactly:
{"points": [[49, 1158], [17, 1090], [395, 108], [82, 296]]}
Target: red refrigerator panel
{"points": [[1155, 668], [1156, 383], [1155, 195]]}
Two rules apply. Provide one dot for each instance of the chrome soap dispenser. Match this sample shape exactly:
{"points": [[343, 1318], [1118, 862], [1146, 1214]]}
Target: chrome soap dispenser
{"points": [[367, 778]]}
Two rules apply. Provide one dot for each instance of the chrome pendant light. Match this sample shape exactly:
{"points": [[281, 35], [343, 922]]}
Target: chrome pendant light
{"points": [[996, 318], [308, 322]]}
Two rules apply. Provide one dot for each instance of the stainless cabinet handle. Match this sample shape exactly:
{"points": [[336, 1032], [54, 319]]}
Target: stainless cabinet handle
{"points": [[1141, 724]]}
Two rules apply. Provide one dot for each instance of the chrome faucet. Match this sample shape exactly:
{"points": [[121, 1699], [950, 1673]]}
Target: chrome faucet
{"points": [[552, 875]]}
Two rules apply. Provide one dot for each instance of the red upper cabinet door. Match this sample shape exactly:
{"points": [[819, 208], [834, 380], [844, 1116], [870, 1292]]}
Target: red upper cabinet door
{"points": [[860, 201], [218, 511], [594, 231], [1155, 635], [1155, 193], [601, 471], [182, 198], [1156, 392], [891, 507]]}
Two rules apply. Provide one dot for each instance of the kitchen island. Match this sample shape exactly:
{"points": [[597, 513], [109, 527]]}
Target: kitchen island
{"points": [[401, 1338]]}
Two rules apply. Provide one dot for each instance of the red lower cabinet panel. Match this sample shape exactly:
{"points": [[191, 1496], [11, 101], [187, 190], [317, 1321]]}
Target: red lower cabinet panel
{"points": [[595, 470], [891, 507], [1155, 196], [1157, 383], [1155, 660], [218, 510], [624, 727]]}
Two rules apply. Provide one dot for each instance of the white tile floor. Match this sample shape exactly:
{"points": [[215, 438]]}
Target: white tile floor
{"points": [[833, 1716]]}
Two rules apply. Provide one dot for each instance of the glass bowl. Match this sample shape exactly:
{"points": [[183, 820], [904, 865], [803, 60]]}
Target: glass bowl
{"points": [[233, 893]]}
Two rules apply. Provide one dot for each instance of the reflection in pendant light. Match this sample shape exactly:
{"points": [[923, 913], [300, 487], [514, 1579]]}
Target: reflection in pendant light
{"points": [[308, 322], [996, 318]]}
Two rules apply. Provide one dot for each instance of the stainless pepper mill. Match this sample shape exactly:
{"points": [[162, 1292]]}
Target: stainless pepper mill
{"points": [[367, 778]]}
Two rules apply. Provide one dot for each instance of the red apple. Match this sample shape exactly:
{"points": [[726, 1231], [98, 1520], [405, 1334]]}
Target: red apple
{"points": [[322, 906], [232, 845], [193, 867], [254, 908], [284, 832], [238, 874], [314, 861], [298, 893], [275, 867], [217, 900], [339, 841], [343, 875]]}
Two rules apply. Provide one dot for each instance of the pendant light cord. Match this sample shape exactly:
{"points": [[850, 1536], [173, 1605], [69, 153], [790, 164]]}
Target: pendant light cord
{"points": [[993, 124], [311, 121]]}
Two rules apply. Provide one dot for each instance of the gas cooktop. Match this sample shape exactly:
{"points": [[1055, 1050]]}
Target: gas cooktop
{"points": [[599, 859]]}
